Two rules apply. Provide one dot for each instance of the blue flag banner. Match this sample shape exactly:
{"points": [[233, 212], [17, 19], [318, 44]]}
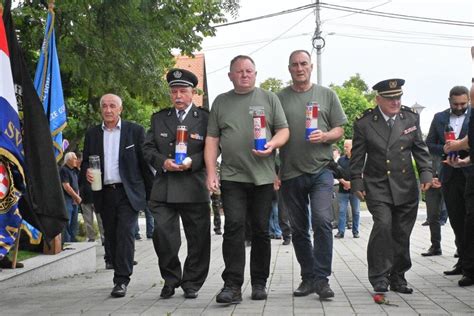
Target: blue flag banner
{"points": [[11, 152], [49, 87]]}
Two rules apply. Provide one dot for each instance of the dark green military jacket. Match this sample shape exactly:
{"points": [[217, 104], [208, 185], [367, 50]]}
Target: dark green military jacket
{"points": [[184, 186], [381, 161]]}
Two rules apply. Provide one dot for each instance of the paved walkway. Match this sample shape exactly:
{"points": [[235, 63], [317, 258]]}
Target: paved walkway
{"points": [[88, 294]]}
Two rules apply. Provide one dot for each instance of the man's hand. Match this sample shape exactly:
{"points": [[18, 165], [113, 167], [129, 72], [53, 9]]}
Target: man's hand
{"points": [[89, 175], [435, 183], [360, 195], [267, 152], [425, 186], [170, 165], [77, 200], [317, 137], [276, 183], [213, 184], [345, 184], [455, 162]]}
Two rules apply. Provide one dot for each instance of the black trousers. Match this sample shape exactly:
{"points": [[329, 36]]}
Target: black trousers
{"points": [[241, 200], [283, 218], [434, 204], [118, 218], [468, 259], [453, 193], [388, 250], [167, 241]]}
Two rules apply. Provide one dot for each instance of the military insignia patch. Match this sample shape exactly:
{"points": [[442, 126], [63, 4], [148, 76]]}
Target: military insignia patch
{"points": [[196, 136], [177, 74], [392, 84], [409, 130]]}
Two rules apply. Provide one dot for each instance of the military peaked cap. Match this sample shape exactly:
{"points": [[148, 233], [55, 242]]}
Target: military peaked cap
{"points": [[390, 88], [181, 77]]}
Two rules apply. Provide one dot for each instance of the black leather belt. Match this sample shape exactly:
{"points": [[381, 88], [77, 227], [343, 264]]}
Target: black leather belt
{"points": [[113, 186]]}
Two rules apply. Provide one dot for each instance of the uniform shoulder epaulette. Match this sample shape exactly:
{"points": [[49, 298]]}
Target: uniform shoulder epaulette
{"points": [[365, 113], [409, 109], [162, 111], [203, 109]]}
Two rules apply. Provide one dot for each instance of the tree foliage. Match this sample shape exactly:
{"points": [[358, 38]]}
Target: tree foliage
{"points": [[272, 84], [118, 46]]}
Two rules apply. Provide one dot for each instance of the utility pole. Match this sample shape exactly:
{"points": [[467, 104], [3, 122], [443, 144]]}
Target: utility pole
{"points": [[318, 44]]}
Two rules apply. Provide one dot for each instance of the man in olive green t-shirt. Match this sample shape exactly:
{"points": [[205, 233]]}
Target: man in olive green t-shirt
{"points": [[304, 173], [247, 175]]}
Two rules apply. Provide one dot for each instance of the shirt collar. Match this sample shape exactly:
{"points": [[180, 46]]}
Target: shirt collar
{"points": [[186, 110], [118, 126], [386, 117]]}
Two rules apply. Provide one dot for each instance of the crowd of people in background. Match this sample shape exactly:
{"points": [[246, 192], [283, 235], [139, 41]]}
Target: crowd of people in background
{"points": [[293, 189]]}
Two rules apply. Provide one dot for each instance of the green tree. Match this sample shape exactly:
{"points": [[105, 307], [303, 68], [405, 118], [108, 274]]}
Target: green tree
{"points": [[358, 83], [272, 84], [118, 46], [354, 104]]}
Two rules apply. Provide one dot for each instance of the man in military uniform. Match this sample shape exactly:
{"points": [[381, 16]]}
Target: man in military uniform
{"points": [[179, 190], [385, 139]]}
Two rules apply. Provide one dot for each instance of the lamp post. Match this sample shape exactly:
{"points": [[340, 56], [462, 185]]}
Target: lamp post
{"points": [[417, 107]]}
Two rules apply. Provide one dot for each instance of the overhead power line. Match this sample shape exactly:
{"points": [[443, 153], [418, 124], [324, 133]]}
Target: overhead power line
{"points": [[397, 15], [354, 10]]}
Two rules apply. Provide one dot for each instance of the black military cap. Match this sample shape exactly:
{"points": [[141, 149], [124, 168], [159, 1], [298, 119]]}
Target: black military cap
{"points": [[390, 88], [181, 77]]}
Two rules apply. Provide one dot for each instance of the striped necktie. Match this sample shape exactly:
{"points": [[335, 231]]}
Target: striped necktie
{"points": [[180, 115]]}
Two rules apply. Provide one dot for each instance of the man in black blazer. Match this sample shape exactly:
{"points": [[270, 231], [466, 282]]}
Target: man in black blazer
{"points": [[125, 178], [453, 180], [179, 189]]}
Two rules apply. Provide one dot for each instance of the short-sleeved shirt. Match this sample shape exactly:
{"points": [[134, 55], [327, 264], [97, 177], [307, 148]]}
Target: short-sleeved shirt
{"points": [[231, 120], [69, 175], [299, 156]]}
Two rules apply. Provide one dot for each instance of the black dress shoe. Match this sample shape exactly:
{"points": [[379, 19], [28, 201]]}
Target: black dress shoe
{"points": [[456, 271], [425, 223], [167, 291], [456, 255], [190, 293], [218, 232], [466, 281], [323, 289], [259, 292], [119, 290], [135, 262], [229, 295], [109, 266], [401, 289], [432, 252], [381, 287], [306, 287]]}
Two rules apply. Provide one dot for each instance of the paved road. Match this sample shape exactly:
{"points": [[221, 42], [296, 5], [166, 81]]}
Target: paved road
{"points": [[88, 294]]}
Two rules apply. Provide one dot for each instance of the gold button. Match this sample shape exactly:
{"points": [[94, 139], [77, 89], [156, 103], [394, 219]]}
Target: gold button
{"points": [[388, 172], [169, 155], [171, 144], [388, 161], [403, 171], [401, 148]]}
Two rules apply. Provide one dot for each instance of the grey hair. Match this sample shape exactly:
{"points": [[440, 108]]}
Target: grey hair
{"points": [[68, 157]]}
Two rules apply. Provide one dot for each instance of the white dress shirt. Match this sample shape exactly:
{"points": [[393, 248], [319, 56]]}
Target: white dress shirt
{"points": [[111, 153]]}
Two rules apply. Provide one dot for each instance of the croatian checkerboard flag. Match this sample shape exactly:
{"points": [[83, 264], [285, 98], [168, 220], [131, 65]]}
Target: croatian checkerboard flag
{"points": [[49, 87], [11, 151]]}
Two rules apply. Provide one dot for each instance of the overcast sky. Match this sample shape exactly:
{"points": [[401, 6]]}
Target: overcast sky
{"points": [[431, 57]]}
